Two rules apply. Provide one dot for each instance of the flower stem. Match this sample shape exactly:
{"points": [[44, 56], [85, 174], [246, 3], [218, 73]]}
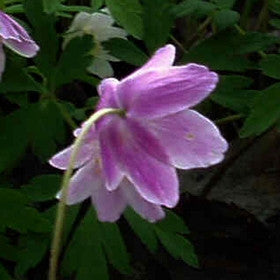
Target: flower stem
{"points": [[229, 119], [61, 211]]}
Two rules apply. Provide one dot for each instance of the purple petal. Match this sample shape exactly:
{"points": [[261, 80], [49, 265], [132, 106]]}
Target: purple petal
{"points": [[61, 159], [190, 139], [83, 184], [137, 134], [164, 91], [111, 166], [155, 181], [147, 210], [23, 48], [2, 60], [109, 204], [107, 91], [15, 37], [163, 57]]}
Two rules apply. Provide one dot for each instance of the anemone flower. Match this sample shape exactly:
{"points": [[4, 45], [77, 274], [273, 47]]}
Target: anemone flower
{"points": [[99, 25], [131, 159], [15, 37]]}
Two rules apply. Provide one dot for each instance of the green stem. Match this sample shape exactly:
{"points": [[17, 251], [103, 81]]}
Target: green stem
{"points": [[229, 119], [67, 117], [262, 20], [246, 12], [178, 44], [61, 211], [243, 32], [2, 5]]}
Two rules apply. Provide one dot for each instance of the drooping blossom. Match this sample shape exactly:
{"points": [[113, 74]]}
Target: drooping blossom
{"points": [[15, 37], [99, 25], [131, 160]]}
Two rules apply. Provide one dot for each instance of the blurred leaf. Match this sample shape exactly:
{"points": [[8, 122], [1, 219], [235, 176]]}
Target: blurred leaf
{"points": [[23, 81], [46, 127], [74, 60], [127, 13], [225, 18], [270, 65], [8, 251], [4, 275], [84, 255], [275, 22], [158, 22], [173, 223], [114, 247], [51, 6], [33, 248], [143, 229], [178, 246], [232, 93], [42, 188], [13, 138], [224, 4], [44, 35], [15, 213], [96, 4], [225, 50], [196, 8], [126, 51], [14, 9], [75, 9], [265, 112]]}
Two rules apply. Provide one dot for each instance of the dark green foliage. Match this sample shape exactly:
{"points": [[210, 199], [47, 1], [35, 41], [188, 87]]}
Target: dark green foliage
{"points": [[128, 13], [126, 51], [42, 99], [158, 22]]}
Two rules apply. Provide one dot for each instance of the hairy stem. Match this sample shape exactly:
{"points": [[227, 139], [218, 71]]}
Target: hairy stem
{"points": [[61, 211]]}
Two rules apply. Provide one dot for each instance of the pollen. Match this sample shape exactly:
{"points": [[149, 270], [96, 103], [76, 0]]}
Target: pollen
{"points": [[190, 136]]}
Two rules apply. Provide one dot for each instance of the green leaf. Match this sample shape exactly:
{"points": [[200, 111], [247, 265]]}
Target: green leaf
{"points": [[232, 93], [114, 247], [178, 247], [158, 22], [44, 35], [12, 146], [224, 4], [84, 254], [4, 275], [46, 128], [173, 223], [96, 4], [126, 51], [74, 60], [8, 251], [33, 247], [14, 9], [270, 65], [23, 81], [275, 22], [225, 50], [15, 213], [127, 13], [265, 112], [142, 229], [51, 6], [225, 18], [42, 188], [196, 8]]}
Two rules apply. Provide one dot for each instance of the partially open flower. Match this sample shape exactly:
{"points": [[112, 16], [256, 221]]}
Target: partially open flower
{"points": [[132, 159], [16, 38], [98, 25]]}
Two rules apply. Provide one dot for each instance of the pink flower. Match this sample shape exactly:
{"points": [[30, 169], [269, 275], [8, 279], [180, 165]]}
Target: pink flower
{"points": [[131, 159], [16, 38]]}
